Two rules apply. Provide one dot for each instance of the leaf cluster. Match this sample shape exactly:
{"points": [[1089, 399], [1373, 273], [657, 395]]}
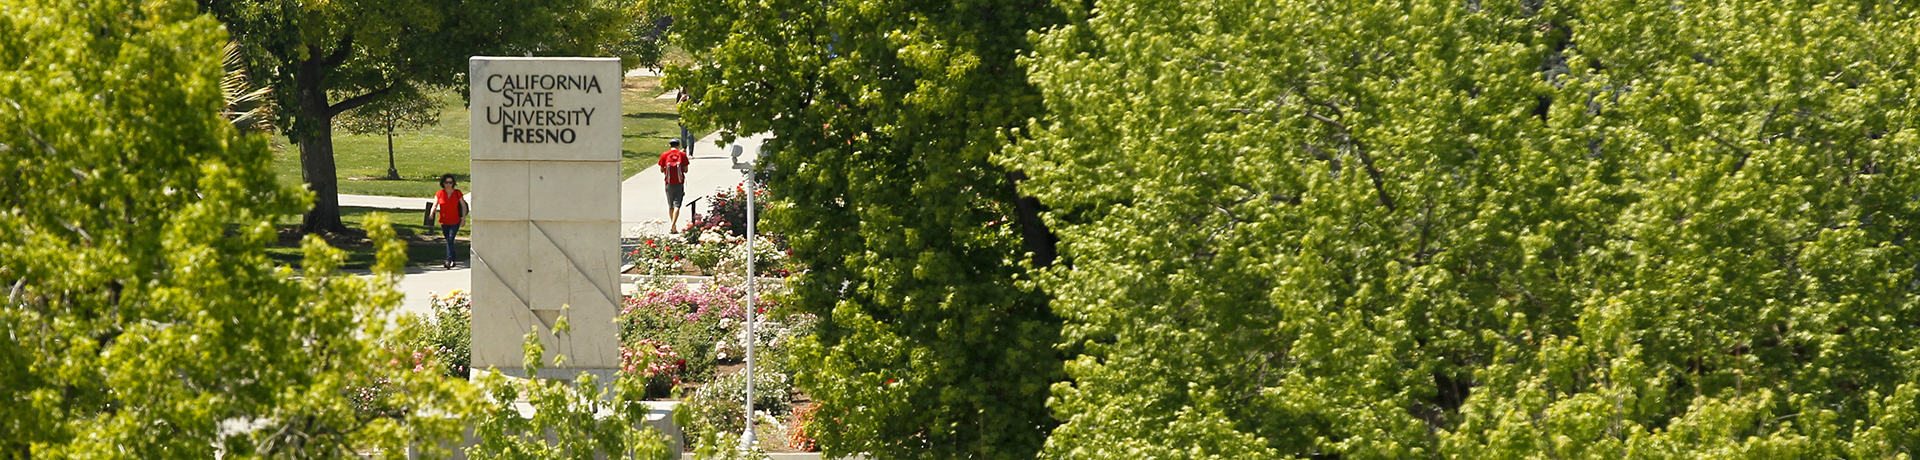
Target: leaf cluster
{"points": [[395, 113], [887, 111], [1596, 229], [143, 317]]}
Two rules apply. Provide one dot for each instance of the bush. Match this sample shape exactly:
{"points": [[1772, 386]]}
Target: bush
{"points": [[372, 398], [658, 255], [450, 337], [773, 339], [707, 257], [770, 257], [581, 419], [654, 361], [798, 436], [727, 212], [684, 320], [717, 407]]}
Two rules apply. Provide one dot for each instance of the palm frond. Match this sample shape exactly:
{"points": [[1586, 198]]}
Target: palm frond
{"points": [[249, 108]]}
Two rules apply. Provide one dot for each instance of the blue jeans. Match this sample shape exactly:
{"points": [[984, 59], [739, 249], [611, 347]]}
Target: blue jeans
{"points": [[449, 231], [686, 140]]}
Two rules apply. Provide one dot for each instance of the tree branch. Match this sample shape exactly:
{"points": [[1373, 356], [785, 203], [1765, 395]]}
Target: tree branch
{"points": [[357, 101], [339, 54], [1035, 237], [1379, 184], [1738, 164]]}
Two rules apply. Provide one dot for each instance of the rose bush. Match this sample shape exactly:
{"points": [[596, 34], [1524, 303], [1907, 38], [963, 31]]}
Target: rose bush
{"points": [[657, 255]]}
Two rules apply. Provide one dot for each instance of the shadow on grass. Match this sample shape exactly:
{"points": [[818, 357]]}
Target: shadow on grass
{"points": [[652, 116], [361, 256], [424, 246], [654, 134]]}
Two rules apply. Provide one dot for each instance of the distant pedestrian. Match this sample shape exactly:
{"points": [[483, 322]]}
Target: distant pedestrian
{"points": [[451, 206], [686, 135], [673, 164]]}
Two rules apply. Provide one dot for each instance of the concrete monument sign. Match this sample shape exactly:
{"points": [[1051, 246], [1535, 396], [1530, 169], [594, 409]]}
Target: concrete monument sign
{"points": [[545, 135]]}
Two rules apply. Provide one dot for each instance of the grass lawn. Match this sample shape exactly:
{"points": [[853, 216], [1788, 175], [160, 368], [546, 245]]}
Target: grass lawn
{"points": [[647, 123], [424, 247]]}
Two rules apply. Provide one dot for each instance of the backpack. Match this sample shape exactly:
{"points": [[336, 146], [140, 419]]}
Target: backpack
{"points": [[676, 166]]}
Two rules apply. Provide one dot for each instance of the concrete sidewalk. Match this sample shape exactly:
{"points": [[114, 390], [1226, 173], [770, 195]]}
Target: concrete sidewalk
{"points": [[387, 202], [643, 197], [419, 281]]}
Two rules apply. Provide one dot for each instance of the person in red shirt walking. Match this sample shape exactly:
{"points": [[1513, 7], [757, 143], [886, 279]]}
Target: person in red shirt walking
{"points": [[451, 207], [673, 164]]}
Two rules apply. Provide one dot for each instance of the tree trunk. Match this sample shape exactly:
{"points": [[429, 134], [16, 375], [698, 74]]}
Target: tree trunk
{"points": [[316, 165], [1035, 237], [316, 151], [392, 174]]}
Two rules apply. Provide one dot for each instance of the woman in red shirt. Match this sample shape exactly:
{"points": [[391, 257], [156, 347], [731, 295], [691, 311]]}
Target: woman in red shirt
{"points": [[451, 207]]}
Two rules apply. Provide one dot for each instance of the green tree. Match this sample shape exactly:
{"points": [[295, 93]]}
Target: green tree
{"points": [[581, 420], [932, 342], [1417, 228], [398, 112], [143, 318], [646, 40], [325, 58]]}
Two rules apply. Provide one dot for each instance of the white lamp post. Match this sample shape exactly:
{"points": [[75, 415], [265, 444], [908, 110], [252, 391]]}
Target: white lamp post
{"points": [[748, 439]]}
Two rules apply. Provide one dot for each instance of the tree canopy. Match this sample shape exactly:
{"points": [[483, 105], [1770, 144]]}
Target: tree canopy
{"points": [[324, 58], [392, 114], [933, 342], [143, 317], [1415, 228]]}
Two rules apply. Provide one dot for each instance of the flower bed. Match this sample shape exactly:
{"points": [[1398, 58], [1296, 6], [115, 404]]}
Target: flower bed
{"points": [[706, 254], [711, 244], [684, 321], [727, 213], [695, 336]]}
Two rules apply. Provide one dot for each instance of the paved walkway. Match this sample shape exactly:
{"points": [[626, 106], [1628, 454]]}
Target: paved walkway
{"points": [[387, 202], [643, 197], [643, 210], [419, 281]]}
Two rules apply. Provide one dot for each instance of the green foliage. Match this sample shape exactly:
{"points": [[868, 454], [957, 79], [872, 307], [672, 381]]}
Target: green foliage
{"points": [[646, 40], [324, 58], [727, 211], [387, 116], [661, 255], [886, 112], [450, 333], [581, 420], [720, 406], [723, 446], [1402, 229], [685, 320], [143, 316], [400, 112]]}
